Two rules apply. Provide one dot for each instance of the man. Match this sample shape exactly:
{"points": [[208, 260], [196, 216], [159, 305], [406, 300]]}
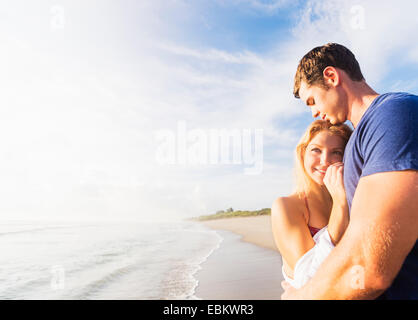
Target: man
{"points": [[378, 255]]}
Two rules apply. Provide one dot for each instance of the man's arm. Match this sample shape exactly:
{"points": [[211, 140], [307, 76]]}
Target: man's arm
{"points": [[382, 231]]}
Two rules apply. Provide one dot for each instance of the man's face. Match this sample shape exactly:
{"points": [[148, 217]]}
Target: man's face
{"points": [[328, 104]]}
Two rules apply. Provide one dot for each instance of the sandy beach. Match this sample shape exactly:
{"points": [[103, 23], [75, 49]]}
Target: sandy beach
{"points": [[256, 230], [247, 264]]}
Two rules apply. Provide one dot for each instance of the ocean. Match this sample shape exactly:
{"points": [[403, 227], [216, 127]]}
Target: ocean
{"points": [[84, 261]]}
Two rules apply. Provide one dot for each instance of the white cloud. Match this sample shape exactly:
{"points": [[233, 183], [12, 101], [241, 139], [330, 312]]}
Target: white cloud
{"points": [[245, 57]]}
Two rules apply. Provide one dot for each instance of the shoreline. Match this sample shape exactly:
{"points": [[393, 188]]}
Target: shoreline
{"points": [[246, 265]]}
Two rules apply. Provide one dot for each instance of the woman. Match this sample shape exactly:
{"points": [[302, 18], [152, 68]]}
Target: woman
{"points": [[310, 222]]}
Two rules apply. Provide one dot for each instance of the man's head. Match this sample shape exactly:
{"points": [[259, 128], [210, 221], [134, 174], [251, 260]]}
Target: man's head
{"points": [[318, 80]]}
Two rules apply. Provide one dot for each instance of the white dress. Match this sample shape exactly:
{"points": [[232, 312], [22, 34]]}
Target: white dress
{"points": [[307, 265]]}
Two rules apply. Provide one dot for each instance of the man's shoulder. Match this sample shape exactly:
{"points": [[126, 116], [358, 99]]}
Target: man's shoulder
{"points": [[398, 95], [392, 109], [395, 100]]}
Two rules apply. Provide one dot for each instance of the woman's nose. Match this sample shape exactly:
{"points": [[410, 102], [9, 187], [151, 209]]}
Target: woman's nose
{"points": [[325, 158]]}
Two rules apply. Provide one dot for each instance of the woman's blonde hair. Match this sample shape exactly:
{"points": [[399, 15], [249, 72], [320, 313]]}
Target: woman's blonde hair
{"points": [[304, 183]]}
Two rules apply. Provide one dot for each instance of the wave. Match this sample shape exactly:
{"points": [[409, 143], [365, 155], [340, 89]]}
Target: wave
{"points": [[181, 282], [100, 284], [7, 233], [204, 259], [15, 292]]}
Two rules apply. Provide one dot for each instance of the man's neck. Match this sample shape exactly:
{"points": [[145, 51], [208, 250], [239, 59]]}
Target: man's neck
{"points": [[361, 99]]}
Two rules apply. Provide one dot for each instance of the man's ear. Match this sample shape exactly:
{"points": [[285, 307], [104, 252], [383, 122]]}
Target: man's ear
{"points": [[331, 76]]}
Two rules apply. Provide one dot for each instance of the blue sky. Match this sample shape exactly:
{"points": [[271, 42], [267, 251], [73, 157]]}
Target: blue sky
{"points": [[235, 26], [87, 86]]}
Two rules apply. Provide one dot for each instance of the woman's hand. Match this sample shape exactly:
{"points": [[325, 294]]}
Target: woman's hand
{"points": [[339, 218], [334, 182]]}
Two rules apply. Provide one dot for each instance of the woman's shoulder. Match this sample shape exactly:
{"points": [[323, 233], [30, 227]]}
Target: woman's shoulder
{"points": [[289, 207]]}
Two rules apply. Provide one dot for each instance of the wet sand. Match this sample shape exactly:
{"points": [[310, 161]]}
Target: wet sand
{"points": [[247, 264]]}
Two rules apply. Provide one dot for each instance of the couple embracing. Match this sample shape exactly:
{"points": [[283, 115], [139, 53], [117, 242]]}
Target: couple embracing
{"points": [[349, 231]]}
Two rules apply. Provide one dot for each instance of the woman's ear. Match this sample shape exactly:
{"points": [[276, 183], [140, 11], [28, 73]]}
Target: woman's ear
{"points": [[331, 76]]}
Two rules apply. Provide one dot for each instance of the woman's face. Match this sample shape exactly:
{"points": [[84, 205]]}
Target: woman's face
{"points": [[323, 150]]}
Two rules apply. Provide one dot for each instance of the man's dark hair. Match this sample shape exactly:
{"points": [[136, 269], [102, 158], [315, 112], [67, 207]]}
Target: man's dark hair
{"points": [[312, 65]]}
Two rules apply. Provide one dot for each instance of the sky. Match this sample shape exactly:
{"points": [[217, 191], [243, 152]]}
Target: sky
{"points": [[122, 110]]}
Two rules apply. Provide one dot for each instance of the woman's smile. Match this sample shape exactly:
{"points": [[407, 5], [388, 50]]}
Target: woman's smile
{"points": [[323, 150], [323, 171]]}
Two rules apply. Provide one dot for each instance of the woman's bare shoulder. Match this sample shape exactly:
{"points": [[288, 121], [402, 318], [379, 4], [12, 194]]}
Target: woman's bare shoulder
{"points": [[288, 211], [287, 205]]}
